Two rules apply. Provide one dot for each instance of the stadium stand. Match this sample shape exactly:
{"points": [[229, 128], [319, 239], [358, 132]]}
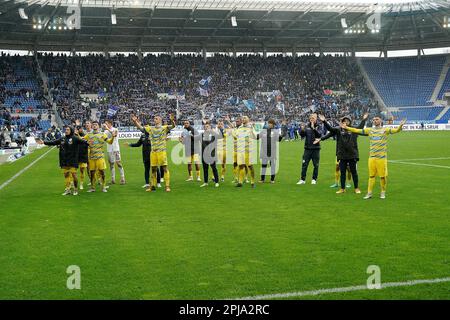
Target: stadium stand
{"points": [[22, 106], [272, 84], [419, 113], [446, 117], [445, 86], [405, 81], [20, 88]]}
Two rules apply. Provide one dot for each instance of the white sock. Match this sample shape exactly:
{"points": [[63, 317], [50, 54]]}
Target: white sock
{"points": [[113, 173], [122, 173]]}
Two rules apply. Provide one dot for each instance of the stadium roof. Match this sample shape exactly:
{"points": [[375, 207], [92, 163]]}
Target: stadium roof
{"points": [[188, 25]]}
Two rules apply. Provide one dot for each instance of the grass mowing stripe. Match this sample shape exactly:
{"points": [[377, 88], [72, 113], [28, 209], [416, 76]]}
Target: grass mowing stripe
{"points": [[421, 164], [343, 289], [422, 159], [18, 174]]}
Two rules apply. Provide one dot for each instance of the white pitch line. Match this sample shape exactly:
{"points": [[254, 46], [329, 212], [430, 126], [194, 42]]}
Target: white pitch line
{"points": [[14, 177], [422, 159], [421, 164], [343, 289]]}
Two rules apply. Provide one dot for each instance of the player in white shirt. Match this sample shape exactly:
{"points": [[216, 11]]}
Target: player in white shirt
{"points": [[114, 154]]}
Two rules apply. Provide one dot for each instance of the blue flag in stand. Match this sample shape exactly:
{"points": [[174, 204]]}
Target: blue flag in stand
{"points": [[249, 104], [234, 100], [205, 81], [112, 110], [203, 92]]}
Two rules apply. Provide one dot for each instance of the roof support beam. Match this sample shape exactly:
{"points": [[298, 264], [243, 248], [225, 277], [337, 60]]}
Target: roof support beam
{"points": [[149, 21], [292, 23], [388, 33], [228, 16], [319, 28], [436, 21]]}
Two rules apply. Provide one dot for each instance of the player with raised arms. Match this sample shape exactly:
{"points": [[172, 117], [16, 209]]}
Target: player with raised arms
{"points": [[378, 137], [158, 155]]}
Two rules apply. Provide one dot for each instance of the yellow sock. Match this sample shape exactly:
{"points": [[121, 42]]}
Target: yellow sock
{"points": [[223, 171], [371, 184], [337, 174], [67, 181], [94, 180], [383, 183], [252, 174], [81, 177], [167, 178], [236, 172], [154, 178], [241, 175], [198, 173]]}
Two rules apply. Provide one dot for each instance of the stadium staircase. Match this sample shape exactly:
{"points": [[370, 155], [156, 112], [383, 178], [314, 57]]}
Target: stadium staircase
{"points": [[444, 78], [56, 118], [370, 84], [444, 115]]}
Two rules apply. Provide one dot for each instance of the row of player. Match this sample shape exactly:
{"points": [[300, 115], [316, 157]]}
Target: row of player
{"points": [[83, 148]]}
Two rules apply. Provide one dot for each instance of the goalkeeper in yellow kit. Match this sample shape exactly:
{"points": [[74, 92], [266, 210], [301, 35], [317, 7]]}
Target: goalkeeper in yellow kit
{"points": [[378, 152], [158, 156]]}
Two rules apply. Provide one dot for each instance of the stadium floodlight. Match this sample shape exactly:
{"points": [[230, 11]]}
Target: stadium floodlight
{"points": [[343, 23], [113, 18], [22, 14], [233, 21]]}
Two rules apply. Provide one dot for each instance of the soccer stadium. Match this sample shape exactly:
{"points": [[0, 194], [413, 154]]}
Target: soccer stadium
{"points": [[224, 149]]}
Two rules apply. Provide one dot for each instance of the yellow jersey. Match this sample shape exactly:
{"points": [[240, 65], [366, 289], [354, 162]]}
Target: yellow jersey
{"points": [[378, 139], [243, 139], [158, 137], [96, 143]]}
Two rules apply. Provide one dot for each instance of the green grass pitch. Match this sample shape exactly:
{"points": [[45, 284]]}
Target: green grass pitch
{"points": [[220, 243]]}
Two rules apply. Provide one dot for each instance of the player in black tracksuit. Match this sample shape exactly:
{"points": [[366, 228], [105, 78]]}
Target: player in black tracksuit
{"points": [[347, 153], [68, 157], [209, 154], [312, 136], [144, 141]]}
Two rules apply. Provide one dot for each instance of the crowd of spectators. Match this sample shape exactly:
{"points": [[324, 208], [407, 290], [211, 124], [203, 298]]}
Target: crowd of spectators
{"points": [[20, 85], [331, 85], [22, 102]]}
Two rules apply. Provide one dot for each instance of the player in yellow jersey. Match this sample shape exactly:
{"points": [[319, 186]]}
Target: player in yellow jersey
{"points": [[68, 158], [234, 127], [83, 157], [246, 149], [222, 149], [158, 156], [378, 152], [96, 140], [192, 147]]}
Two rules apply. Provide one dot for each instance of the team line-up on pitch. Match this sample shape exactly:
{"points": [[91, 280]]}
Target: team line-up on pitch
{"points": [[81, 148]]}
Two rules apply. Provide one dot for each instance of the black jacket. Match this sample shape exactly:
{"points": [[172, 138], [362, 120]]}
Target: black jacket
{"points": [[310, 135], [68, 150], [144, 141], [346, 142], [83, 152]]}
